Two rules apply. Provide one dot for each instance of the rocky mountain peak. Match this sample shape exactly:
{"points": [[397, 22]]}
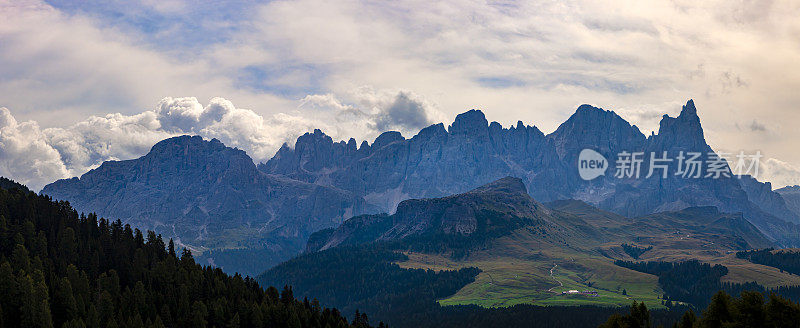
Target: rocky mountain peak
{"points": [[312, 139], [689, 111], [181, 142], [192, 149], [387, 138], [472, 122], [683, 132], [587, 116], [596, 128]]}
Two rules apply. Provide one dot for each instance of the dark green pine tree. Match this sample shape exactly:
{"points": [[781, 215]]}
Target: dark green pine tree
{"points": [[59, 268]]}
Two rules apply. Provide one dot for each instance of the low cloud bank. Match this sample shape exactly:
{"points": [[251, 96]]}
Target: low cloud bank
{"points": [[36, 156]]}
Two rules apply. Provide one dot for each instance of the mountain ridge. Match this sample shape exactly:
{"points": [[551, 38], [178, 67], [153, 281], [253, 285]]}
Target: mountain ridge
{"points": [[430, 165], [214, 197], [206, 195], [500, 207]]}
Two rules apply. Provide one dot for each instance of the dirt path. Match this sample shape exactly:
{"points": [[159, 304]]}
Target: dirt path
{"points": [[560, 284]]}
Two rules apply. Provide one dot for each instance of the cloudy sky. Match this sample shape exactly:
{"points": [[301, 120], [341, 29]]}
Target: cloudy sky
{"points": [[86, 81]]}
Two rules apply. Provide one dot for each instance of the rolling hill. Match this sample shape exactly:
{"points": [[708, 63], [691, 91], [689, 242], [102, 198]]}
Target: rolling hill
{"points": [[533, 253]]}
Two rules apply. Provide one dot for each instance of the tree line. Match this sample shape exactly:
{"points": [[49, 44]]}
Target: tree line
{"points": [[367, 278], [62, 269], [695, 283], [748, 310], [784, 260]]}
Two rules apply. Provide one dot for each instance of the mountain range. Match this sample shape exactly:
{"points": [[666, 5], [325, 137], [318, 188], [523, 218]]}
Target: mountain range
{"points": [[213, 197], [504, 207], [478, 215], [507, 248], [208, 196]]}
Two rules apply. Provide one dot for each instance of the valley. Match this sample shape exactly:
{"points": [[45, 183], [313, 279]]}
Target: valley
{"points": [[523, 277], [475, 216], [404, 164], [559, 253]]}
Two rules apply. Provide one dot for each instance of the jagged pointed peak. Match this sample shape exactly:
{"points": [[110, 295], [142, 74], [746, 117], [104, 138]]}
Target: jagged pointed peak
{"points": [[317, 133], [469, 122], [311, 140], [682, 132], [688, 110], [688, 113], [364, 146]]}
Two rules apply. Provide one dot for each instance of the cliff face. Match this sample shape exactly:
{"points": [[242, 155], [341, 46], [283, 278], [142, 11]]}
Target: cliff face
{"points": [[209, 195], [504, 207], [206, 195], [436, 162], [471, 152], [791, 195], [489, 211]]}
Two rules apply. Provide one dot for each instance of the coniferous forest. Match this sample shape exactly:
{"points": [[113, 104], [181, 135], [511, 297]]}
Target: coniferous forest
{"points": [[750, 309], [62, 269], [59, 268], [788, 261], [696, 283], [366, 278]]}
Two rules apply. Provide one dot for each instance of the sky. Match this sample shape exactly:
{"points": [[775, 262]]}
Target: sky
{"points": [[82, 82]]}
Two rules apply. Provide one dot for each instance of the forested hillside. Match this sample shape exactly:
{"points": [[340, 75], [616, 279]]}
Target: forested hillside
{"points": [[61, 269], [785, 260], [695, 282], [366, 278], [748, 310]]}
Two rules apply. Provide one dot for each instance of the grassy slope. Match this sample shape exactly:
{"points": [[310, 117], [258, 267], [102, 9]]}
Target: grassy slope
{"points": [[516, 270]]}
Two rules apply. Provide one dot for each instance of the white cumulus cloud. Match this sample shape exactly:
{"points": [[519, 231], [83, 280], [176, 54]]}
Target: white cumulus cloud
{"points": [[779, 173], [37, 156]]}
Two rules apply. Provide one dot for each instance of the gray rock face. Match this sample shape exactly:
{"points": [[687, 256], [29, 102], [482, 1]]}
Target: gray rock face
{"points": [[434, 163], [504, 206], [207, 195], [772, 202], [491, 210], [598, 129], [791, 195], [471, 152], [684, 135]]}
